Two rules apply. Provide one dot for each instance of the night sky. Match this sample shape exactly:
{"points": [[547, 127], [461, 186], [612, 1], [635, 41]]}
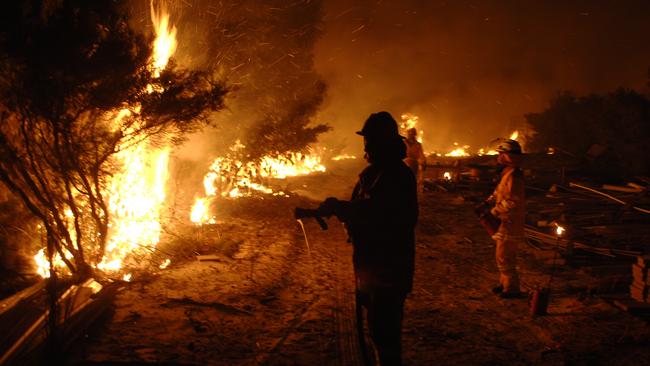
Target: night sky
{"points": [[472, 69]]}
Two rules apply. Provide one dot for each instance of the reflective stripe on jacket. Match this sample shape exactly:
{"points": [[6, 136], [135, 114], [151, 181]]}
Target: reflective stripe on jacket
{"points": [[510, 201]]}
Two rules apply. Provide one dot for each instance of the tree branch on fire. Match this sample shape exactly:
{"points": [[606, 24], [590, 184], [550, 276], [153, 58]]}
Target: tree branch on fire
{"points": [[81, 93]]}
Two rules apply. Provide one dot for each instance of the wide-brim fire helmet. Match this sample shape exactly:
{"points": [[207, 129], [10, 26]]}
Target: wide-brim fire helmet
{"points": [[380, 126], [508, 146]]}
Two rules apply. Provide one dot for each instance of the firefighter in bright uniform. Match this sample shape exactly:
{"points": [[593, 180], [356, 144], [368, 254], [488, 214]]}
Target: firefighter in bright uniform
{"points": [[509, 207], [415, 158]]}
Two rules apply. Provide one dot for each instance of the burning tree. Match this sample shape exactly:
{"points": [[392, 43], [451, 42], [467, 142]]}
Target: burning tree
{"points": [[80, 89]]}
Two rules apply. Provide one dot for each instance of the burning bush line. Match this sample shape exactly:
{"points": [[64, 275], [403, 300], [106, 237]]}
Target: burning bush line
{"points": [[77, 89]]}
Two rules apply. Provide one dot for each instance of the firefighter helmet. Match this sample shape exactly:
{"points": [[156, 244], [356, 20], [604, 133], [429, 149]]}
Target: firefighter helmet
{"points": [[380, 126], [508, 146]]}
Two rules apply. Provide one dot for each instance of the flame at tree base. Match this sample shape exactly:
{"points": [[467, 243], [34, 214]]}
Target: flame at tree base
{"points": [[136, 198]]}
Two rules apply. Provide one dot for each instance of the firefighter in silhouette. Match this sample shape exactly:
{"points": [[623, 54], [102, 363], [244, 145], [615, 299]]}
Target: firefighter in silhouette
{"points": [[415, 158], [509, 206], [380, 218]]}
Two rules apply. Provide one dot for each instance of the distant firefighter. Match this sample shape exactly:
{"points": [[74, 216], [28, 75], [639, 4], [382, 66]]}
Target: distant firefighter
{"points": [[509, 207], [415, 158]]}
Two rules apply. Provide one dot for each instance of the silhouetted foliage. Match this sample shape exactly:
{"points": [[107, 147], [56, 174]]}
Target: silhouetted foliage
{"points": [[289, 129], [67, 69], [612, 131], [19, 239]]}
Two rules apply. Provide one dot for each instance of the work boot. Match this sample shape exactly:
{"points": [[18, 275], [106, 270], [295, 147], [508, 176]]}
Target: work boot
{"points": [[497, 290]]}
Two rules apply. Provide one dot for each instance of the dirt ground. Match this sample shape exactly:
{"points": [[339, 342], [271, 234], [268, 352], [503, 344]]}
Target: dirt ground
{"points": [[268, 298]]}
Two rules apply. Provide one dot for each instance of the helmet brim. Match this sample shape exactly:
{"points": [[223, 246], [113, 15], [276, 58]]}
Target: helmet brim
{"points": [[360, 133]]}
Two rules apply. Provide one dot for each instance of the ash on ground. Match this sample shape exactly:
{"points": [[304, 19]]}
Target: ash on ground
{"points": [[262, 296]]}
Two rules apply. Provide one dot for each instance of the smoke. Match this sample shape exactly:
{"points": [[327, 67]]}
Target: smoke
{"points": [[472, 69], [264, 50]]}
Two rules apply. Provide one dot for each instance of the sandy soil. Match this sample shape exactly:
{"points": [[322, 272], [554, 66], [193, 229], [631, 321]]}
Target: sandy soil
{"points": [[268, 299]]}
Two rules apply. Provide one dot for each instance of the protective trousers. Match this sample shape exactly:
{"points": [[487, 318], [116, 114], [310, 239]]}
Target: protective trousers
{"points": [[506, 256], [385, 313]]}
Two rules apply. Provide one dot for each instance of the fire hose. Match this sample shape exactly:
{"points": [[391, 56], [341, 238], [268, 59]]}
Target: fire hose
{"points": [[301, 213]]}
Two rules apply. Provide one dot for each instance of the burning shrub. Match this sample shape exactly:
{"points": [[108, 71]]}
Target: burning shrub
{"points": [[84, 102]]}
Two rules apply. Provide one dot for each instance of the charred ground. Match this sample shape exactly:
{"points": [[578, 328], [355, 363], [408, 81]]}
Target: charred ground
{"points": [[264, 298]]}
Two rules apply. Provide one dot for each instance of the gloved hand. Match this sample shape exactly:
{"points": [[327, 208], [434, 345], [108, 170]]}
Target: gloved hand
{"points": [[329, 207]]}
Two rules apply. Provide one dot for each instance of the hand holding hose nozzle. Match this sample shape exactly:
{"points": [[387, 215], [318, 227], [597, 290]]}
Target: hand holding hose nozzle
{"points": [[328, 208], [301, 213]]}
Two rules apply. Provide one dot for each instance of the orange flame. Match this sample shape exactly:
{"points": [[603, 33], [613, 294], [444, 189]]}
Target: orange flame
{"points": [[409, 121], [482, 152], [514, 135], [343, 157], [135, 194], [165, 44], [200, 213], [458, 151], [231, 178]]}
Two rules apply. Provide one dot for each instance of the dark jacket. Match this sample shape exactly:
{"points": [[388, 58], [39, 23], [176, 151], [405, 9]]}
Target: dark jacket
{"points": [[381, 218]]}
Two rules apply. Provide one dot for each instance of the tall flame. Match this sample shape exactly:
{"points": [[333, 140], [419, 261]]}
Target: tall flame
{"points": [[136, 198], [136, 194], [165, 44]]}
